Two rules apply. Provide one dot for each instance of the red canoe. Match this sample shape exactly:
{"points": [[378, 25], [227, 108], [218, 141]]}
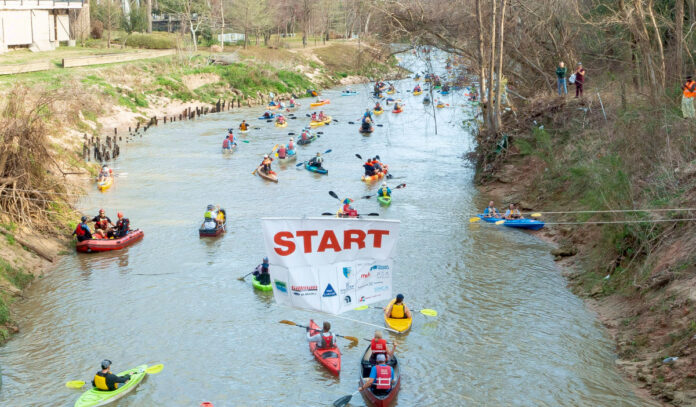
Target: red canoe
{"points": [[331, 358], [105, 245], [379, 400]]}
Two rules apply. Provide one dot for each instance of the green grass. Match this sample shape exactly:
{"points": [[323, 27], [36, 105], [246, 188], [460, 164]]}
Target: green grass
{"points": [[16, 276]]}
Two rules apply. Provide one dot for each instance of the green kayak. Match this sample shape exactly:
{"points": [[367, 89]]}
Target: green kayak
{"points": [[95, 397], [384, 200], [260, 286]]}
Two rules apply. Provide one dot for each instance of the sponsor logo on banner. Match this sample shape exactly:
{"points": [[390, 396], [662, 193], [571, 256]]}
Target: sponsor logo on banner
{"points": [[303, 290], [381, 271], [281, 286], [365, 298], [380, 288], [347, 271], [329, 291], [364, 280], [347, 288], [347, 299]]}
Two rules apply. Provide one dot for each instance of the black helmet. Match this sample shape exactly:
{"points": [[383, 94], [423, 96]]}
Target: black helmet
{"points": [[399, 297], [84, 219], [105, 363]]}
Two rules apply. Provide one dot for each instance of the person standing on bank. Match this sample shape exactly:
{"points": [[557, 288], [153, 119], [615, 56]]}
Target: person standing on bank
{"points": [[579, 79], [561, 72], [689, 93]]}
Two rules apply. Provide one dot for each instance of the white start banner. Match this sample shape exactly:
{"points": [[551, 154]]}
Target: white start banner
{"points": [[328, 264]]}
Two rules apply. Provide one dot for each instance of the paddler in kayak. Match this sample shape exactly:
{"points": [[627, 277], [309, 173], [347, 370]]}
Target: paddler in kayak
{"points": [[316, 161], [82, 231], [314, 117], [367, 115], [282, 152], [366, 125], [104, 173], [378, 107], [105, 380], [379, 347], [398, 309], [291, 144], [491, 211], [261, 272], [377, 165], [244, 126], [513, 213], [305, 135], [266, 164], [381, 376], [348, 210], [210, 217], [267, 115], [101, 224], [369, 168], [280, 119], [384, 190], [322, 116], [417, 88], [325, 339]]}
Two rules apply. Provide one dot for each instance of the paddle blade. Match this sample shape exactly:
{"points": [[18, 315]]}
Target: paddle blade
{"points": [[474, 219], [328, 151], [373, 214], [245, 141], [500, 222], [286, 322], [366, 197], [536, 215], [299, 164], [380, 125], [343, 401], [429, 312], [333, 194], [352, 339], [75, 384], [359, 156], [154, 369], [327, 214], [362, 307], [400, 186]]}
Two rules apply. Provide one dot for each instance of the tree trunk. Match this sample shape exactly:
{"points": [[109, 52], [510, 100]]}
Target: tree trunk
{"points": [[193, 36], [222, 26], [149, 15], [481, 55], [658, 38], [491, 73], [679, 38], [498, 92]]}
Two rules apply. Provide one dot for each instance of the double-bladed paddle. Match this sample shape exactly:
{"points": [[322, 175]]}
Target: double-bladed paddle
{"points": [[78, 384], [350, 338]]}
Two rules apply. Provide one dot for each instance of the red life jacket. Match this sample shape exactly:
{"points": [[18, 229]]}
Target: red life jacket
{"points": [[79, 231], [378, 346], [102, 224], [282, 152], [328, 341], [291, 146], [383, 380], [226, 143], [304, 136]]}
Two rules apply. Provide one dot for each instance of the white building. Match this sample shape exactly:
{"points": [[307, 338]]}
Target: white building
{"points": [[39, 25]]}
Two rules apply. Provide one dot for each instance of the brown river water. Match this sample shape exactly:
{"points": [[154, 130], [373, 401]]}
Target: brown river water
{"points": [[509, 332]]}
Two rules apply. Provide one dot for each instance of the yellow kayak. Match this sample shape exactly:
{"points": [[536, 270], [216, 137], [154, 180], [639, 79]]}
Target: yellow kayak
{"points": [[391, 92], [322, 103], [378, 112], [416, 93], [327, 120], [281, 125], [440, 106], [400, 324], [106, 184]]}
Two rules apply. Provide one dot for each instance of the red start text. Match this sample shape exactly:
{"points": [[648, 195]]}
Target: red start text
{"points": [[285, 241]]}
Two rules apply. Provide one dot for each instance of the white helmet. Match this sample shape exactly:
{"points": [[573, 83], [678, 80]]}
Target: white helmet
{"points": [[291, 138], [384, 184], [265, 156]]}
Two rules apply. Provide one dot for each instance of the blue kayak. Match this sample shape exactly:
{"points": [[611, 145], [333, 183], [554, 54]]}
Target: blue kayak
{"points": [[315, 169], [529, 224], [269, 117], [344, 93], [444, 92]]}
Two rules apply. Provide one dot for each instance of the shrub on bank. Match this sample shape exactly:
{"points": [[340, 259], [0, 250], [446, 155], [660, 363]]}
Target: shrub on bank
{"points": [[150, 41]]}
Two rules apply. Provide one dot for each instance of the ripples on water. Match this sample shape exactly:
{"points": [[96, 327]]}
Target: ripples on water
{"points": [[509, 333]]}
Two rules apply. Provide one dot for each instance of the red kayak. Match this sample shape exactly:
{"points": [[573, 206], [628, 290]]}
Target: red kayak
{"points": [[105, 245], [331, 358], [376, 397]]}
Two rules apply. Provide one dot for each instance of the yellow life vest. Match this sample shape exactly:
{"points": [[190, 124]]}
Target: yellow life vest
{"points": [[221, 216], [100, 382], [208, 215], [398, 311]]}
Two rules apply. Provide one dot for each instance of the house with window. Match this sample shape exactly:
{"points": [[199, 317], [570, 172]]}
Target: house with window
{"points": [[41, 25]]}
